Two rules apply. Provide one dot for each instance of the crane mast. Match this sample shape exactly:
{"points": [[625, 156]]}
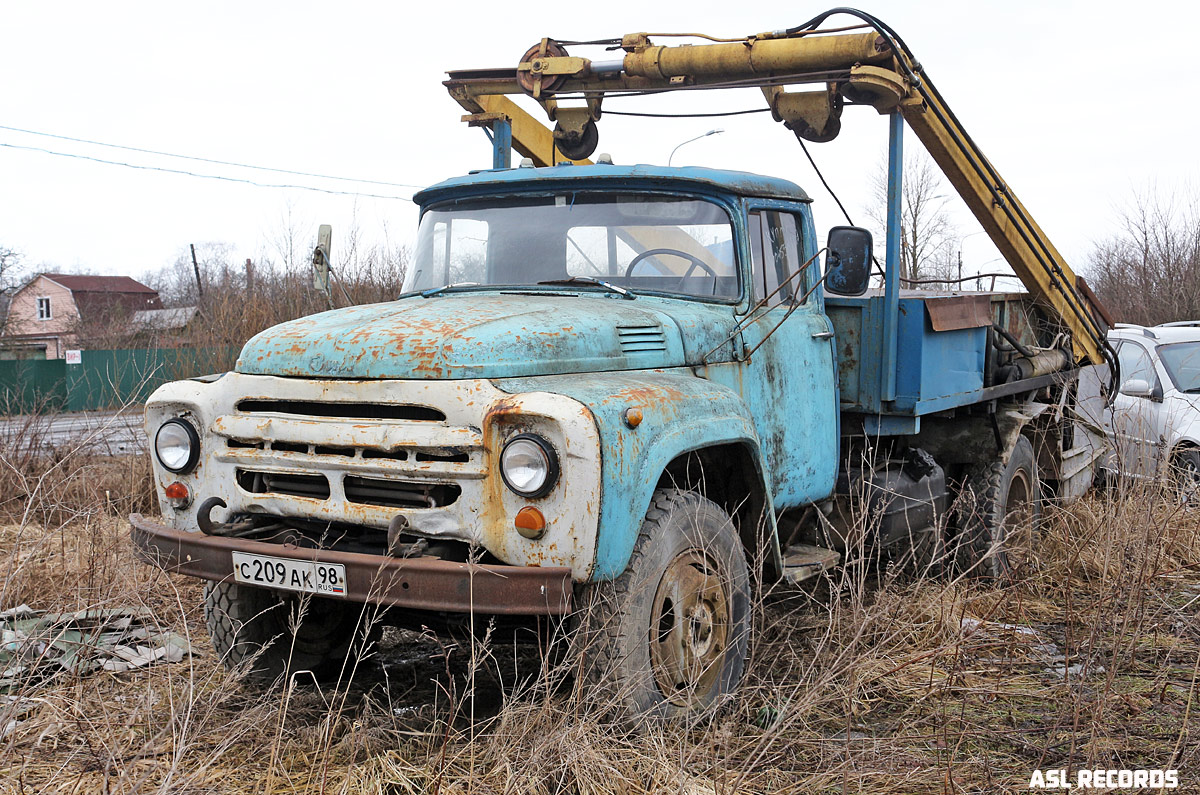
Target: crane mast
{"points": [[837, 67]]}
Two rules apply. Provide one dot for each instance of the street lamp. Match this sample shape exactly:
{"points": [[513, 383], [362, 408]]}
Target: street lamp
{"points": [[717, 131], [962, 240]]}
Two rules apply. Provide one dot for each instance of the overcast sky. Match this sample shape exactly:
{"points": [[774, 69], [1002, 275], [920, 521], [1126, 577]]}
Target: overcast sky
{"points": [[1078, 105]]}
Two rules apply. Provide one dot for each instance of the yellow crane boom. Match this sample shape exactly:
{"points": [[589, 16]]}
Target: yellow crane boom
{"points": [[850, 66]]}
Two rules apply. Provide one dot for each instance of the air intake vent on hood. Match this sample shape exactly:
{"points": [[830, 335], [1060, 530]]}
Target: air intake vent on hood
{"points": [[642, 339]]}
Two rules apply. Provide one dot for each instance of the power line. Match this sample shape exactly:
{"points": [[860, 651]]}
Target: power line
{"points": [[207, 159], [203, 176]]}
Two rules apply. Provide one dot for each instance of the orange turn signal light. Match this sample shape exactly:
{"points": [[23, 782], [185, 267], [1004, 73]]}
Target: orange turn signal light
{"points": [[177, 491], [633, 417], [530, 523]]}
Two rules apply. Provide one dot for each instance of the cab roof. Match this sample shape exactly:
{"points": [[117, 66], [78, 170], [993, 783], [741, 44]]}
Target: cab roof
{"points": [[739, 182]]}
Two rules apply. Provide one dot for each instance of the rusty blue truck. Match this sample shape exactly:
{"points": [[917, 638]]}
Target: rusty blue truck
{"points": [[603, 381], [616, 396]]}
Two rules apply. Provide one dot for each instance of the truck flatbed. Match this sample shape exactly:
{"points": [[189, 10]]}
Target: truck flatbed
{"points": [[942, 359]]}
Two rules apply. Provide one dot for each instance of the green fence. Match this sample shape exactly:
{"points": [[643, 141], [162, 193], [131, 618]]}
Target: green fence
{"points": [[103, 379], [27, 384]]}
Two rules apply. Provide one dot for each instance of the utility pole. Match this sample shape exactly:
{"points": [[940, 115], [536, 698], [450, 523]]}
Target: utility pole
{"points": [[196, 268], [961, 242]]}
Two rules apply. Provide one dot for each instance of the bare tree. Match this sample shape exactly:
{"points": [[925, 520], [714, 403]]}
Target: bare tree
{"points": [[10, 266], [927, 235], [1148, 270], [10, 262], [176, 283]]}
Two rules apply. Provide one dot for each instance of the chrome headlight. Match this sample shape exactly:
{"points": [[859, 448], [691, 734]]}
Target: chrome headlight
{"points": [[529, 465], [177, 446]]}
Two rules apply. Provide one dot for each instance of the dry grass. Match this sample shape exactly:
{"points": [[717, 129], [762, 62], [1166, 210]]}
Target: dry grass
{"points": [[868, 682]]}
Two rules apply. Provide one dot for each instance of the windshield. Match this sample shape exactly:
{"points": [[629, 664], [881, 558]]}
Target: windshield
{"points": [[1182, 360], [660, 244]]}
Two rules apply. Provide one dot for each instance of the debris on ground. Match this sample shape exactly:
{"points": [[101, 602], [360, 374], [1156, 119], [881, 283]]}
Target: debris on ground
{"points": [[1074, 670], [37, 647], [13, 709], [1026, 644], [1034, 640]]}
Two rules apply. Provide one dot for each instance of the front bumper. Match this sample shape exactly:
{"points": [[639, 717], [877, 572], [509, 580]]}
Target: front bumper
{"points": [[416, 583]]}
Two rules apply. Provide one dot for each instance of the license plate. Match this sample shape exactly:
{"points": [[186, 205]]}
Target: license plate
{"points": [[306, 576]]}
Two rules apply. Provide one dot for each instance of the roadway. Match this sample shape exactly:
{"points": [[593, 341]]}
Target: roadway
{"points": [[98, 432]]}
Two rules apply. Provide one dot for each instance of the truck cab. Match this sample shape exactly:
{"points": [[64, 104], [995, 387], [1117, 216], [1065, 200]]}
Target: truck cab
{"points": [[554, 303]]}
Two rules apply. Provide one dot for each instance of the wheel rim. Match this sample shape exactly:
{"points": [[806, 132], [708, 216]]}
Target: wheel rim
{"points": [[1019, 524], [689, 629]]}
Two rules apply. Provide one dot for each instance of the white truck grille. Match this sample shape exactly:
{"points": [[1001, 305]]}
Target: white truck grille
{"points": [[357, 453]]}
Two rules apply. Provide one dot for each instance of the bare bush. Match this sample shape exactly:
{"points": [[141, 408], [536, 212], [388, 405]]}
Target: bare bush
{"points": [[241, 299], [51, 480]]}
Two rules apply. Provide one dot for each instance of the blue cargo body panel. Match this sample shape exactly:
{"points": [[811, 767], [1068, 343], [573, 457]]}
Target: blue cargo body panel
{"points": [[940, 358]]}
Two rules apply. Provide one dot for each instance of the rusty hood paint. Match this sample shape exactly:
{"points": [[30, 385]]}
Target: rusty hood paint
{"points": [[480, 335]]}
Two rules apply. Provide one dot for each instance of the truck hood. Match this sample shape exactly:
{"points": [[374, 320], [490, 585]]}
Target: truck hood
{"points": [[475, 335]]}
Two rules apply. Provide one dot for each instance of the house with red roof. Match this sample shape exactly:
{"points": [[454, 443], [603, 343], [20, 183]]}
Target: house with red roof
{"points": [[52, 312]]}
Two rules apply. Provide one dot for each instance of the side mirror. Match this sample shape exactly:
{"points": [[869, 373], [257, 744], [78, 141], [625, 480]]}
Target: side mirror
{"points": [[848, 261], [1137, 387]]}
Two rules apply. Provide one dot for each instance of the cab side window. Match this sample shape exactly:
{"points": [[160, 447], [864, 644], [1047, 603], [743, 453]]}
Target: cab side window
{"points": [[775, 253]]}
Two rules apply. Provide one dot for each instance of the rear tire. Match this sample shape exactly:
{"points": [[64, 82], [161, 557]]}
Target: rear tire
{"points": [[252, 631], [668, 637], [1185, 475], [998, 513]]}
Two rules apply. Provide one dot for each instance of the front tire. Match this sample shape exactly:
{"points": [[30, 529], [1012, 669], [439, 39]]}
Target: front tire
{"points": [[668, 637], [998, 513], [1185, 475], [252, 631]]}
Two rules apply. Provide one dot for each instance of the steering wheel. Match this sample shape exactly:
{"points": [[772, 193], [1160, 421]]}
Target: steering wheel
{"points": [[696, 263]]}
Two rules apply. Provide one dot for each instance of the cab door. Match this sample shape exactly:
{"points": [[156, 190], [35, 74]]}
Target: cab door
{"points": [[790, 380]]}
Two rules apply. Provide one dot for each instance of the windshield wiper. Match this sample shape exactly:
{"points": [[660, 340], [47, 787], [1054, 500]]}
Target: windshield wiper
{"points": [[621, 291], [436, 290]]}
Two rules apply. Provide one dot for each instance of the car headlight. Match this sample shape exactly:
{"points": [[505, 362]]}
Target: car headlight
{"points": [[529, 465], [177, 446]]}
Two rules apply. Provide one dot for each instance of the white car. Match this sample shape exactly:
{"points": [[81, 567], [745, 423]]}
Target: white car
{"points": [[1154, 421]]}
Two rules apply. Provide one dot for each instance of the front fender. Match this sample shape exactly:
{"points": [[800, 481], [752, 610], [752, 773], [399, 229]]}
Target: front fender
{"points": [[1181, 426], [680, 413]]}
